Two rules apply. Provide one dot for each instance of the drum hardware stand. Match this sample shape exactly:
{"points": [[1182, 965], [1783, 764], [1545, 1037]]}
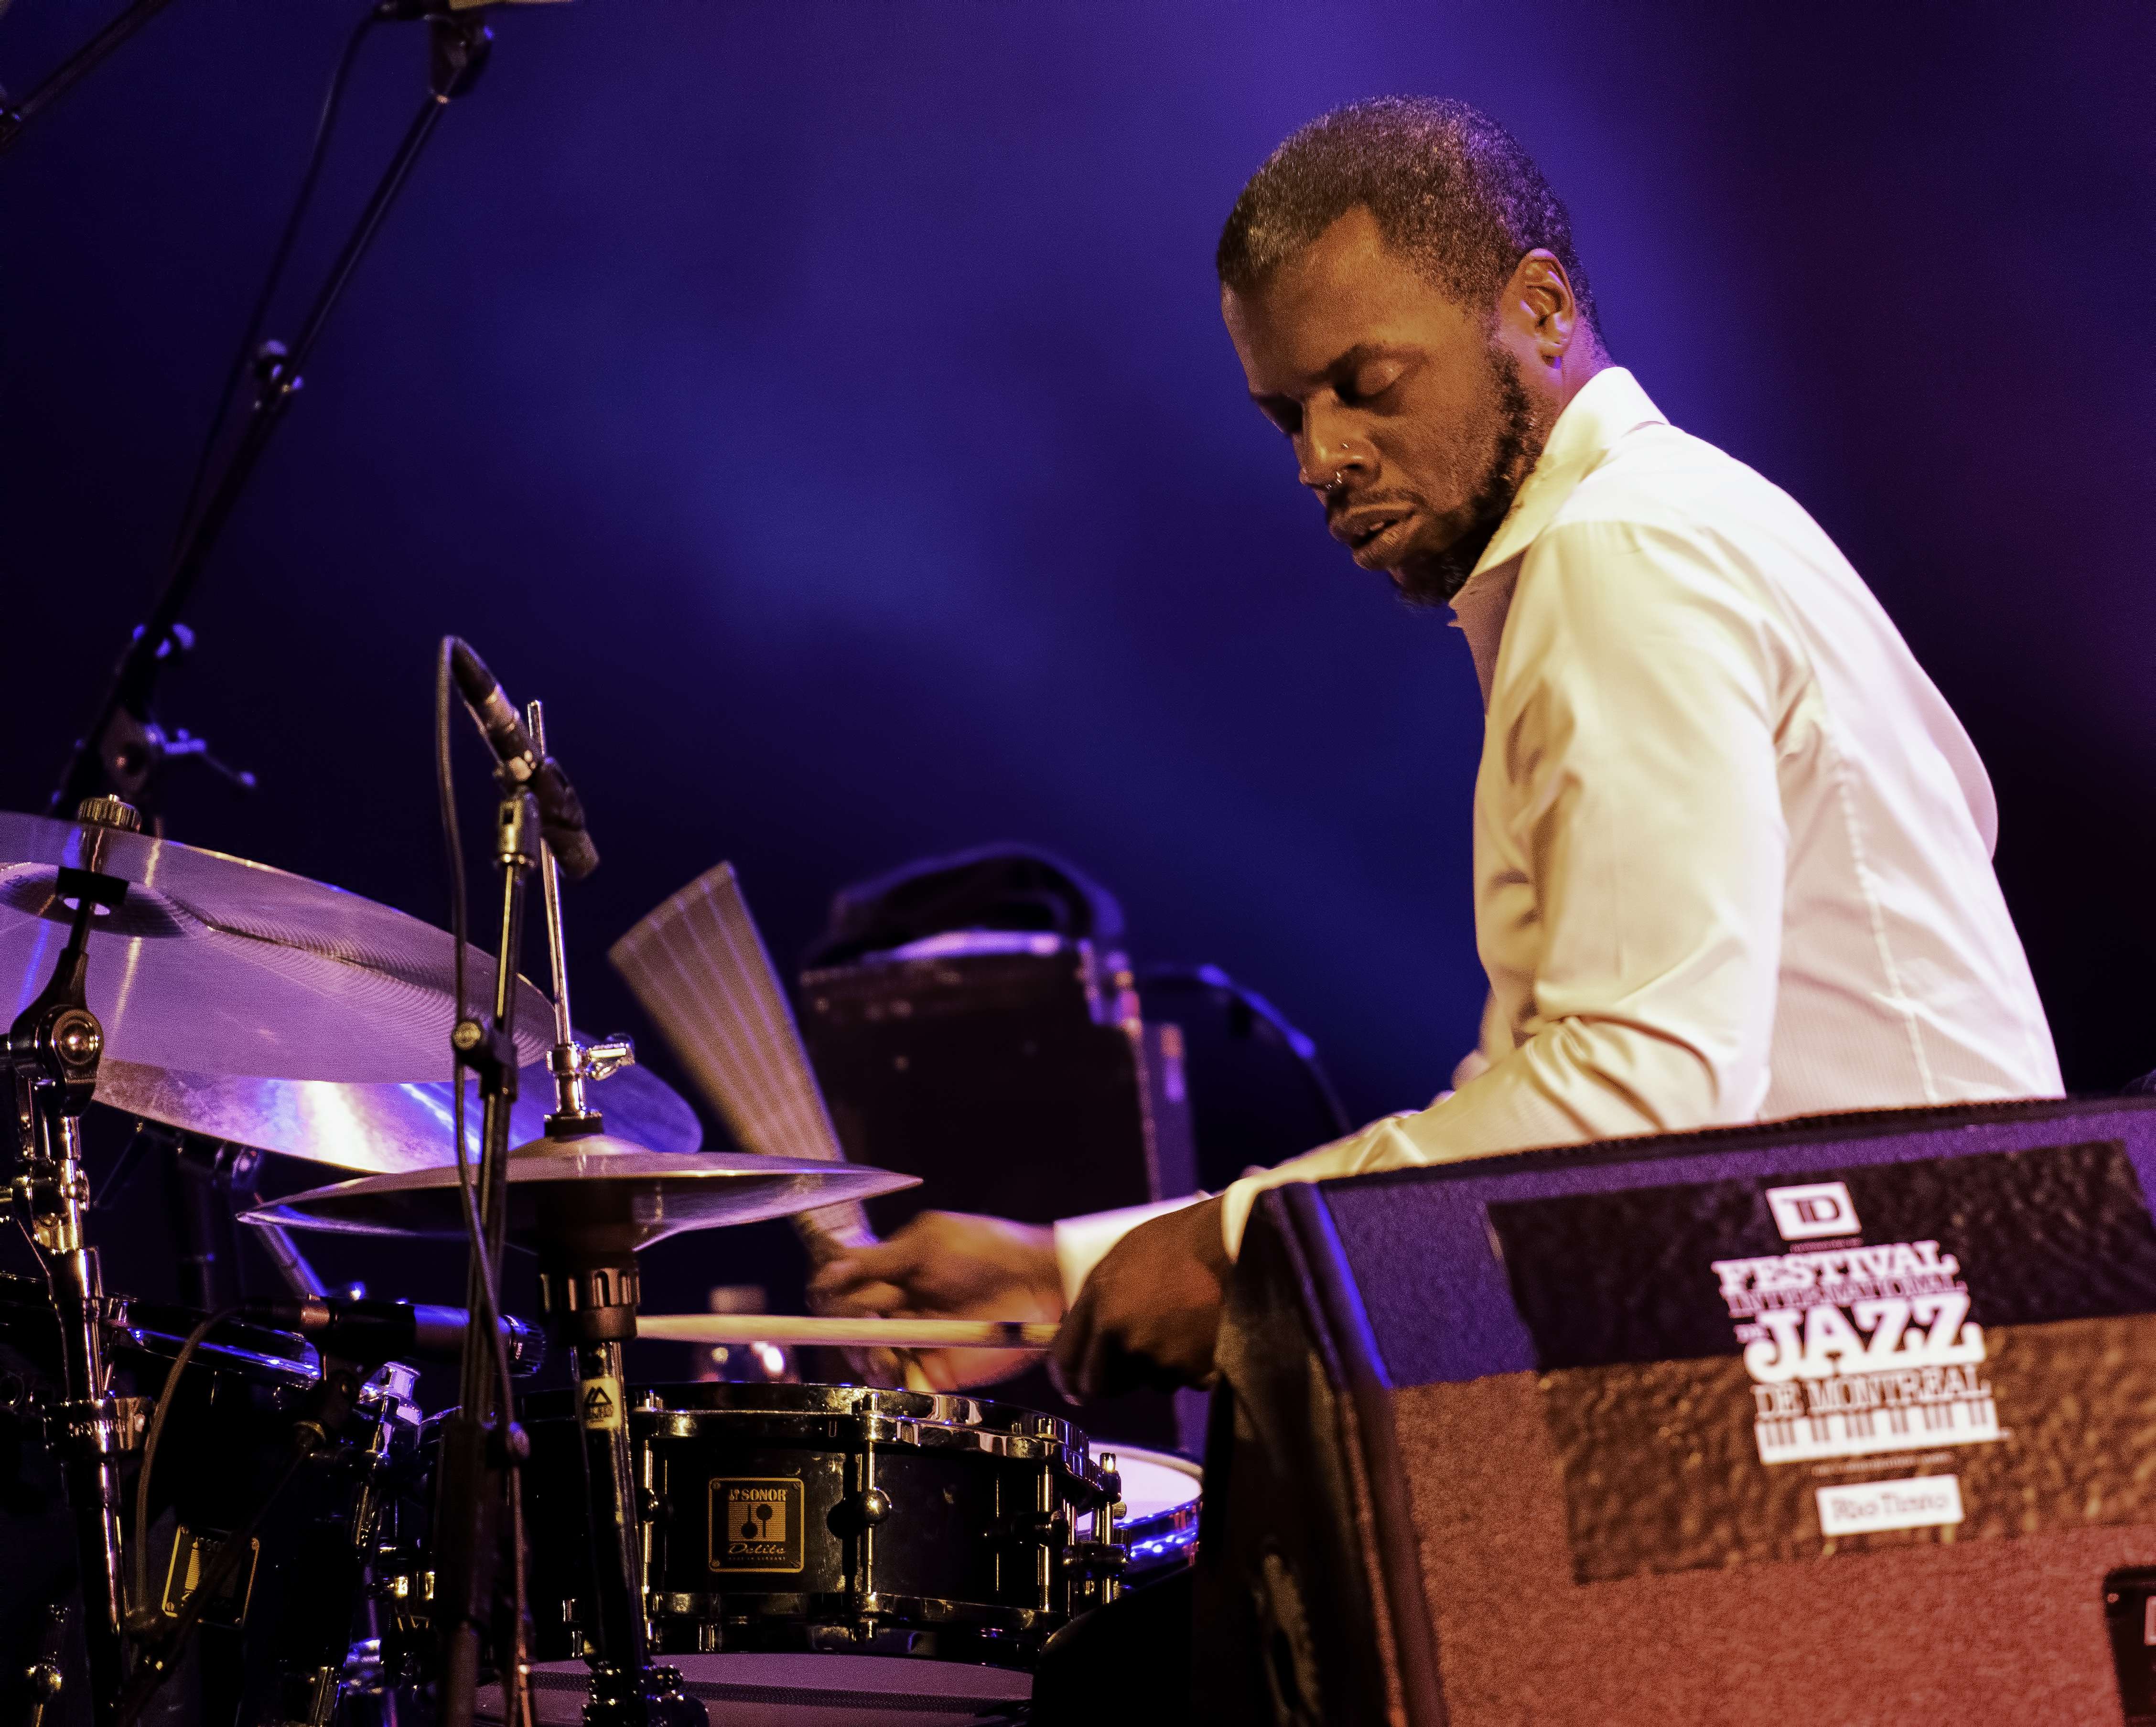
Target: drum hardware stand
{"points": [[51, 1054], [205, 1174], [588, 1294], [588, 1290], [573, 1065], [215, 1179], [112, 749], [479, 1457]]}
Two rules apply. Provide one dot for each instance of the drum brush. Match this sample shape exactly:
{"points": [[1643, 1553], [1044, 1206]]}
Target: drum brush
{"points": [[699, 965]]}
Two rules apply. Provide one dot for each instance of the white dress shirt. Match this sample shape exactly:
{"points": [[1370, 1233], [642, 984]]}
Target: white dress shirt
{"points": [[1732, 850]]}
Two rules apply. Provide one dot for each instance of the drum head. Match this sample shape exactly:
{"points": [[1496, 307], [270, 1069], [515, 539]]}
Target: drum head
{"points": [[747, 1689], [1154, 1481]]}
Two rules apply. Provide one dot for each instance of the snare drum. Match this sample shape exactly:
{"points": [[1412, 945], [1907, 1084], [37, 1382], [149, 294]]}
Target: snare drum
{"points": [[812, 1517]]}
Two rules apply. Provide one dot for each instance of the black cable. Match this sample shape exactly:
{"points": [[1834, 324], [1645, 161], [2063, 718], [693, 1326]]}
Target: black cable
{"points": [[485, 1297], [156, 1668], [1299, 1045], [241, 361], [516, 1690]]}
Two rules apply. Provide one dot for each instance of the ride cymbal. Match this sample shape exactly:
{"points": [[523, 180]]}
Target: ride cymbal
{"points": [[383, 1127], [216, 966], [604, 1194]]}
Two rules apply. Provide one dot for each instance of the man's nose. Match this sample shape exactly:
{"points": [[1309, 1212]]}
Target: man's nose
{"points": [[1329, 453]]}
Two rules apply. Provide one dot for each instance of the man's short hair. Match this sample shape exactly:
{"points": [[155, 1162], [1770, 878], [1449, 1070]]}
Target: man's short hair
{"points": [[1451, 189]]}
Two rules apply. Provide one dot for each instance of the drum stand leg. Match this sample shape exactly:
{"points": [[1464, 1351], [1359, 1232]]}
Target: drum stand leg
{"points": [[478, 1469], [592, 1309], [85, 1427], [51, 1056]]}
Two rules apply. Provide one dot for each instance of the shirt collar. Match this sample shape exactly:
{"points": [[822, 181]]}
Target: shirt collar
{"points": [[1607, 406]]}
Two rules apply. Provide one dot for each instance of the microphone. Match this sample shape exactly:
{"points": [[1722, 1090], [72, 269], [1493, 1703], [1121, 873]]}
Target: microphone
{"points": [[561, 812], [370, 1330]]}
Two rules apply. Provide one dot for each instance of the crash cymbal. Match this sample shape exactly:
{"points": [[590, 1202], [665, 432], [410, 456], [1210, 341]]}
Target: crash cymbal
{"points": [[599, 1194], [382, 1128], [216, 966]]}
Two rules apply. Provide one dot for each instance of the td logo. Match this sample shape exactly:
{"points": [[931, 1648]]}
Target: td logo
{"points": [[1818, 1208]]}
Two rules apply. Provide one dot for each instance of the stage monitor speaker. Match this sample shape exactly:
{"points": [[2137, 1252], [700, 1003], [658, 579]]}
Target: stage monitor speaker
{"points": [[1849, 1419]]}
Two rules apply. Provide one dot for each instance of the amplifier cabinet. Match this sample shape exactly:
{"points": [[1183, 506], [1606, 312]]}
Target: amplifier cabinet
{"points": [[1015, 1077], [1849, 1418]]}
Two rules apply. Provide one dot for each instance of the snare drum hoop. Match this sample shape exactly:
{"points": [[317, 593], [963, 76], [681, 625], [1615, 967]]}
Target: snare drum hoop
{"points": [[822, 1415], [1168, 1536]]}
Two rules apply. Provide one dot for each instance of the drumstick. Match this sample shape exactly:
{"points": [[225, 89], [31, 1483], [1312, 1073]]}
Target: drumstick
{"points": [[887, 1334]]}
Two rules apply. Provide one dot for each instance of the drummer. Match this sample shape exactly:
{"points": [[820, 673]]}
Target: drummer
{"points": [[1732, 850]]}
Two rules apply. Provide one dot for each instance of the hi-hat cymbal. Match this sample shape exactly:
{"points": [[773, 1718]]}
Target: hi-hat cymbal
{"points": [[599, 1194], [217, 966], [383, 1127]]}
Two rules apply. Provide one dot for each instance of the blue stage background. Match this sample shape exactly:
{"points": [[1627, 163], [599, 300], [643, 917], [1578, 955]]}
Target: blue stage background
{"points": [[823, 405]]}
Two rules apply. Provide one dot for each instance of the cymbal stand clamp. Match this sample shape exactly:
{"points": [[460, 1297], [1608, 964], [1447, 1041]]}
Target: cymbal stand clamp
{"points": [[573, 1065]]}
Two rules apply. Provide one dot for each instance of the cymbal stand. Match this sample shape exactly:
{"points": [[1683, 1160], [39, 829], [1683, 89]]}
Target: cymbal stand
{"points": [[52, 1052], [478, 1469], [588, 1289], [572, 1064]]}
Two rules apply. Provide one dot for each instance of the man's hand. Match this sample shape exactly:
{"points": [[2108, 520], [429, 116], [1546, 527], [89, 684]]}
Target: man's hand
{"points": [[1149, 1312], [950, 1265]]}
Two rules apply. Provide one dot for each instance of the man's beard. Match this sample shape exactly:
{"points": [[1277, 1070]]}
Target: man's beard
{"points": [[1433, 578]]}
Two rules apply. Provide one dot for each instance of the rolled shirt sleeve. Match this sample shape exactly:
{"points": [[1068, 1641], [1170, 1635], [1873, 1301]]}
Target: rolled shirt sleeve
{"points": [[1629, 856]]}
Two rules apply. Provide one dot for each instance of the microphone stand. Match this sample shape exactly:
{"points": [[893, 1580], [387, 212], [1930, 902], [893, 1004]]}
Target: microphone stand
{"points": [[478, 1470], [112, 748], [72, 70]]}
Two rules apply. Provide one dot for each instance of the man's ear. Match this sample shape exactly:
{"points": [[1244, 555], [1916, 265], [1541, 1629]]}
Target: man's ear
{"points": [[1538, 303]]}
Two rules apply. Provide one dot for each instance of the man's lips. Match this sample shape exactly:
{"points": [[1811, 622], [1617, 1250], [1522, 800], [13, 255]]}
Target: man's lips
{"points": [[1375, 533]]}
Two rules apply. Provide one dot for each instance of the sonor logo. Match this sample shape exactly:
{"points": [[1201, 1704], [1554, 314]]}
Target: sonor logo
{"points": [[757, 1525], [1807, 1213]]}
